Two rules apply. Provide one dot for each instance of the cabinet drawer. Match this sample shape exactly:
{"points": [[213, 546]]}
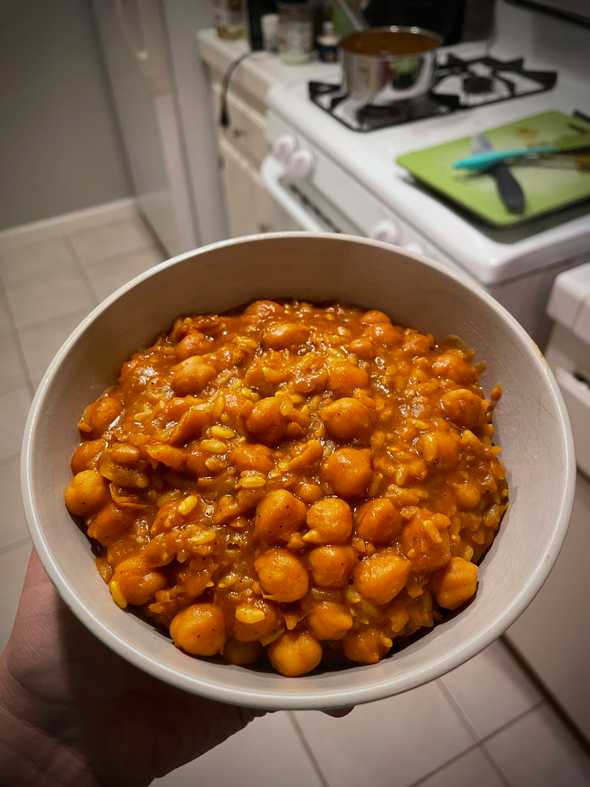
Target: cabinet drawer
{"points": [[246, 131], [249, 206]]}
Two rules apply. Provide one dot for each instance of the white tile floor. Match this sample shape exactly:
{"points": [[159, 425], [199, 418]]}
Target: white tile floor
{"points": [[485, 724]]}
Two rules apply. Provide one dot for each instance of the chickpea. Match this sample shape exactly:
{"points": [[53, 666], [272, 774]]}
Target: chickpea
{"points": [[382, 576], [331, 566], [462, 407], [375, 317], [328, 620], [455, 583], [348, 471], [309, 492], [199, 630], [398, 616], [295, 653], [346, 419], [440, 448], [124, 454], [87, 455], [309, 379], [194, 343], [263, 309], [344, 377], [255, 622], [99, 415], [468, 495], [192, 422], [366, 646], [453, 366], [282, 575], [307, 455], [168, 455], [266, 421], [425, 541], [285, 334], [192, 375], [242, 653], [363, 347], [110, 524], [417, 343], [378, 521], [251, 456], [136, 581], [329, 521], [383, 334], [278, 515], [86, 493]]}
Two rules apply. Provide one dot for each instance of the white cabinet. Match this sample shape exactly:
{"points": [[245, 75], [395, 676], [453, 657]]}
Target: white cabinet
{"points": [[249, 207], [242, 147]]}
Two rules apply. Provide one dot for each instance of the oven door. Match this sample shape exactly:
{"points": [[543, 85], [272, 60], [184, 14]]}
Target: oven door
{"points": [[298, 205]]}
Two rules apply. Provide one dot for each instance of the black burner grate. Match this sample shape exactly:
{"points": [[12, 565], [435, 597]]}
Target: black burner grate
{"points": [[459, 84]]}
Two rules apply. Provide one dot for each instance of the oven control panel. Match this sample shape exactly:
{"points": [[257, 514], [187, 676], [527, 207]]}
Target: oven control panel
{"points": [[324, 188]]}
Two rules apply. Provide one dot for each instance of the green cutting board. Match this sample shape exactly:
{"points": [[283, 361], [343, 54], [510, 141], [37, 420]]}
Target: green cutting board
{"points": [[546, 188]]}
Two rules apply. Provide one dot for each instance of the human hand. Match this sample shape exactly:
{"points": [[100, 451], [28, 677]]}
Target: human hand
{"points": [[72, 712]]}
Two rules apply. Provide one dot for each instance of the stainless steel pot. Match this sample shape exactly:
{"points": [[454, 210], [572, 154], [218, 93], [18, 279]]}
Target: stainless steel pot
{"points": [[387, 64]]}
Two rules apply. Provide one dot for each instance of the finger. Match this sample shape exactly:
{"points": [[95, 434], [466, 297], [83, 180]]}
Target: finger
{"points": [[36, 574], [338, 713]]}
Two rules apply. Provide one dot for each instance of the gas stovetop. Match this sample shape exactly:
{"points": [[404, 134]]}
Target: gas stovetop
{"points": [[459, 84]]}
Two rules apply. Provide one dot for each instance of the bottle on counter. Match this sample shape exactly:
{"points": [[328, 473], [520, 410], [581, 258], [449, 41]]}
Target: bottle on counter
{"points": [[328, 44], [295, 31], [230, 18]]}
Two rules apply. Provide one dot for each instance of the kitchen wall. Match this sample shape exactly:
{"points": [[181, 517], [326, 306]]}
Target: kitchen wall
{"points": [[59, 144]]}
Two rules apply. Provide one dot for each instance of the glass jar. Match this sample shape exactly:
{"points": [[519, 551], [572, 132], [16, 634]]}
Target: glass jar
{"points": [[229, 19], [295, 32]]}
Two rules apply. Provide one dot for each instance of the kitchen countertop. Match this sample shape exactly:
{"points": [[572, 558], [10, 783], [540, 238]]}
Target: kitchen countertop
{"points": [[262, 70]]}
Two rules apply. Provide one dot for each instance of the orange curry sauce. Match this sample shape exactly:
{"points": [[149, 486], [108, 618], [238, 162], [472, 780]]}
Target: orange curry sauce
{"points": [[298, 481]]}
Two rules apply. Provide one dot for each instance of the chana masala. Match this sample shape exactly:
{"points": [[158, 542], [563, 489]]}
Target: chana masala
{"points": [[292, 481]]}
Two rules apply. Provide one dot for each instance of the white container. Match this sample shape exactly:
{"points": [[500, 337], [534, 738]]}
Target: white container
{"points": [[532, 423], [295, 33]]}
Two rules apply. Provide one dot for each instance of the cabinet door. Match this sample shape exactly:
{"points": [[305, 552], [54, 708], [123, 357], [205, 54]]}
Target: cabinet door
{"points": [[246, 132], [249, 206]]}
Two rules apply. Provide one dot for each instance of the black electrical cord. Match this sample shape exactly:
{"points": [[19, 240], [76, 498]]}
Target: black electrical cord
{"points": [[224, 120]]}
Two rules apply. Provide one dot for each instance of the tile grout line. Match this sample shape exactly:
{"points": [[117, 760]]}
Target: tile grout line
{"points": [[14, 333], [463, 717], [478, 743], [472, 731], [504, 726], [20, 542], [69, 245], [453, 759], [123, 254], [308, 750], [547, 695]]}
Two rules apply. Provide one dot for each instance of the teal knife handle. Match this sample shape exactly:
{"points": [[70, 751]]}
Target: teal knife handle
{"points": [[489, 157]]}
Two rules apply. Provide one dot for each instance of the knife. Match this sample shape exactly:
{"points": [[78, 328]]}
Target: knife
{"points": [[509, 188]]}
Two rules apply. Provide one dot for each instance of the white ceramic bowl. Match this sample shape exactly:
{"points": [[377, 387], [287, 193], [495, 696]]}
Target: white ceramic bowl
{"points": [[532, 423]]}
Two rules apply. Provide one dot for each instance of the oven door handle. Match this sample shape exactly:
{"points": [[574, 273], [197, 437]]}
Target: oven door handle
{"points": [[271, 172]]}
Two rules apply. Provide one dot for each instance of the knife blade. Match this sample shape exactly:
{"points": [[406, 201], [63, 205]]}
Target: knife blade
{"points": [[509, 189]]}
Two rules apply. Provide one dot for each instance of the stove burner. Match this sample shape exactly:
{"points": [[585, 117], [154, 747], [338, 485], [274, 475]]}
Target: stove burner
{"points": [[474, 84], [458, 84]]}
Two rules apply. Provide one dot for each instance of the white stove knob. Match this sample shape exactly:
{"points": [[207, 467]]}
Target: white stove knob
{"points": [[385, 231], [283, 147], [413, 247], [301, 163]]}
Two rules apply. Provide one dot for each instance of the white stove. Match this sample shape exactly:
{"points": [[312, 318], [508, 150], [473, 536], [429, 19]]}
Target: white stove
{"points": [[323, 175]]}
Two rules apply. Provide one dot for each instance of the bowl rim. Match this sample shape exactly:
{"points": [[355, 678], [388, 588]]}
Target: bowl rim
{"points": [[274, 699]]}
